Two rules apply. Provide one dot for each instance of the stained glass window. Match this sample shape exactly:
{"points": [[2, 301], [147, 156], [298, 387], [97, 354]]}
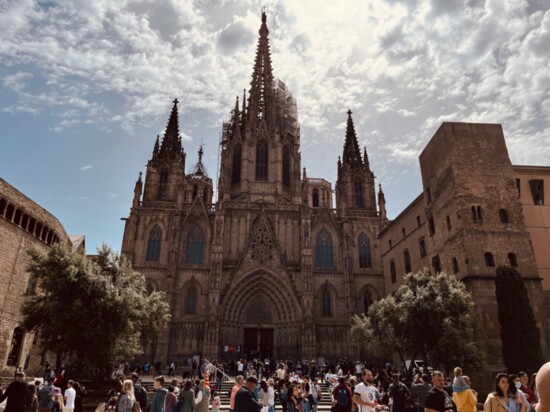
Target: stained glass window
{"points": [[154, 244], [324, 257], [365, 259], [194, 245], [191, 301], [327, 303], [286, 166], [262, 159]]}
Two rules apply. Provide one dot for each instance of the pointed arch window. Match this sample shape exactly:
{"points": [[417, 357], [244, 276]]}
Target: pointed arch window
{"points": [[163, 184], [315, 198], [367, 300], [513, 260], [286, 166], [191, 301], [153, 244], [358, 190], [236, 165], [326, 303], [194, 245], [262, 159], [365, 258], [324, 249]]}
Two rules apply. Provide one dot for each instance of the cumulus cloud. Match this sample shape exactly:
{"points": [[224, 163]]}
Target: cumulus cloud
{"points": [[402, 67]]}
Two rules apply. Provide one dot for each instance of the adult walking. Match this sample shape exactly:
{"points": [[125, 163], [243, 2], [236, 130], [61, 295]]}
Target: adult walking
{"points": [[438, 400], [364, 395], [127, 398], [420, 387], [186, 398], [238, 384], [17, 394], [203, 397], [245, 400], [157, 405], [505, 397]]}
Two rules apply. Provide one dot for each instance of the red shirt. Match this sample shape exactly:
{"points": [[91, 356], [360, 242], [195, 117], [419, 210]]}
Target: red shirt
{"points": [[529, 394]]}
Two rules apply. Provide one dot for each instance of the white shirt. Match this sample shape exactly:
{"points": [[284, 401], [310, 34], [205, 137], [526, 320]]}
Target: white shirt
{"points": [[70, 394], [239, 366], [368, 394], [271, 395]]}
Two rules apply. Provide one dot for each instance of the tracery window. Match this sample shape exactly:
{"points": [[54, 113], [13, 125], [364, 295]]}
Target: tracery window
{"points": [[163, 184], [262, 159], [324, 251], [367, 300], [358, 189], [286, 166], [326, 303], [315, 198], [153, 244], [194, 245], [236, 166], [365, 258], [191, 301]]}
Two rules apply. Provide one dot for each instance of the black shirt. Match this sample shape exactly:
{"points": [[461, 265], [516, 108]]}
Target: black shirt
{"points": [[439, 400]]}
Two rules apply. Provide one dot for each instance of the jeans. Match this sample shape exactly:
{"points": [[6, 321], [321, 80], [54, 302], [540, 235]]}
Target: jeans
{"points": [[315, 404], [306, 406]]}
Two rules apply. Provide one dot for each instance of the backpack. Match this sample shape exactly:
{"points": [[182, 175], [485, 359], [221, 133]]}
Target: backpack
{"points": [[45, 395], [141, 395], [342, 398]]}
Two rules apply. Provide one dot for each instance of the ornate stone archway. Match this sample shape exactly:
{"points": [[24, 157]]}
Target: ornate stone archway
{"points": [[261, 300]]}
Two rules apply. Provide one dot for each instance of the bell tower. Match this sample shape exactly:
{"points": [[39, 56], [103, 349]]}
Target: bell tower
{"points": [[260, 145], [355, 185], [166, 168]]}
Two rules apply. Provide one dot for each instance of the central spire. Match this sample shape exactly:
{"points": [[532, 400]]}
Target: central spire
{"points": [[260, 103], [352, 153], [171, 142]]}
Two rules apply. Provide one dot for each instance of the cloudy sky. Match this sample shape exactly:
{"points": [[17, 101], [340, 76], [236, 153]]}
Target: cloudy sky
{"points": [[85, 86]]}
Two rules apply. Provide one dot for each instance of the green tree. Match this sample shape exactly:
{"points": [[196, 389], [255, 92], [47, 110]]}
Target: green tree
{"points": [[521, 349], [428, 316], [93, 311]]}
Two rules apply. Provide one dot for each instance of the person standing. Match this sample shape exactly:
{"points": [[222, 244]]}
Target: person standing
{"points": [[438, 400], [529, 394], [271, 395], [398, 393], [364, 395], [504, 398], [543, 388], [203, 398], [127, 399], [32, 404], [157, 405], [79, 399], [342, 399], [420, 387], [264, 396], [45, 401], [171, 399], [186, 398], [139, 391], [245, 400], [70, 395], [238, 384], [466, 400], [17, 394]]}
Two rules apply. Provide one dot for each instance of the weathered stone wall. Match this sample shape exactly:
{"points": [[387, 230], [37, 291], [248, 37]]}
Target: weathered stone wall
{"points": [[24, 225]]}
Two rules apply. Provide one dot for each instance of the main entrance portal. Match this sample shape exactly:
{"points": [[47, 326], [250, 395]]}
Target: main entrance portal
{"points": [[258, 342]]}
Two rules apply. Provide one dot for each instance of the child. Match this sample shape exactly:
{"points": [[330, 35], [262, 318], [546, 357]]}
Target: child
{"points": [[216, 402], [459, 384]]}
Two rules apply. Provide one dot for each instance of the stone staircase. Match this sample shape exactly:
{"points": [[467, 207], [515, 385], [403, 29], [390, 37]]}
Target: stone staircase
{"points": [[324, 404]]}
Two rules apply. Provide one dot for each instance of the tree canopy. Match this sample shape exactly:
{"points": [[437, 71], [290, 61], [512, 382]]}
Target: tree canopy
{"points": [[428, 316], [521, 349], [94, 311]]}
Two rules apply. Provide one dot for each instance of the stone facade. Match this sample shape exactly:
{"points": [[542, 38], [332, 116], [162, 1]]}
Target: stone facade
{"points": [[470, 220], [270, 267], [24, 225]]}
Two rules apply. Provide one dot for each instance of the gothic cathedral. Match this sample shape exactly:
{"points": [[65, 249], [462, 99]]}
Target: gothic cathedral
{"points": [[270, 267]]}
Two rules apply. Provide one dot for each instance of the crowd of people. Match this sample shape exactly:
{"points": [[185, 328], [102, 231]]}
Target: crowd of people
{"points": [[48, 395], [291, 387]]}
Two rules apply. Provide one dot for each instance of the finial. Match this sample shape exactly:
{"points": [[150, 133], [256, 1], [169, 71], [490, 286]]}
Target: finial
{"points": [[176, 101], [200, 153], [264, 16], [349, 112]]}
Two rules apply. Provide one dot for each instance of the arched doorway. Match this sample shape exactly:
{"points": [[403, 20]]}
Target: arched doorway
{"points": [[262, 317]]}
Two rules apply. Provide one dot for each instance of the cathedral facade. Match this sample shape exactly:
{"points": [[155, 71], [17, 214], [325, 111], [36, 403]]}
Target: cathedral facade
{"points": [[270, 266]]}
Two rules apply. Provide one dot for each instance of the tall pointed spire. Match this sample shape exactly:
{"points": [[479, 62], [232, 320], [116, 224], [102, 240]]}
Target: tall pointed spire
{"points": [[157, 147], [171, 142], [260, 103], [352, 153], [366, 158], [381, 202]]}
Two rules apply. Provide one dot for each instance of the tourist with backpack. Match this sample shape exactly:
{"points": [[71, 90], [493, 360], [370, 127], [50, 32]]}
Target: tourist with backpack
{"points": [[341, 396], [139, 391], [45, 400]]}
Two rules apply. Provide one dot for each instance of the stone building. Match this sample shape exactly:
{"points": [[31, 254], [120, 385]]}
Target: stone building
{"points": [[24, 225], [270, 267], [468, 221]]}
